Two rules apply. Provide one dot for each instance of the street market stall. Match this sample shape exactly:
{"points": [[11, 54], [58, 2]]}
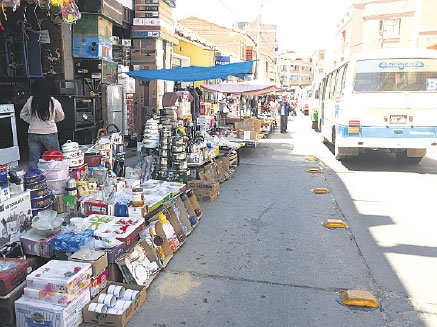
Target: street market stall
{"points": [[84, 235]]}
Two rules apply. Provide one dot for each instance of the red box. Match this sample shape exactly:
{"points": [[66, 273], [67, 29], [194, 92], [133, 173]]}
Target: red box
{"points": [[98, 283], [202, 109], [13, 274]]}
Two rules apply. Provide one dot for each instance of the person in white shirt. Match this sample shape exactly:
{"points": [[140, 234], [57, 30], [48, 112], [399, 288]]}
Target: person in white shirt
{"points": [[41, 112]]}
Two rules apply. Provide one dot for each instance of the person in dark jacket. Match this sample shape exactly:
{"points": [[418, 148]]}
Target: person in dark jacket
{"points": [[284, 110]]}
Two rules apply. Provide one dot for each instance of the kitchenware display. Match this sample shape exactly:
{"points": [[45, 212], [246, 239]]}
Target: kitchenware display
{"points": [[165, 133], [151, 137], [47, 223], [164, 153], [178, 148], [79, 173], [71, 187], [70, 146], [57, 186], [52, 154], [151, 144], [181, 165], [163, 161], [37, 185], [98, 307], [72, 154], [33, 176], [179, 156], [92, 159], [76, 162], [107, 299], [177, 140], [122, 305], [131, 295], [82, 188], [70, 207], [41, 202], [100, 174], [164, 146], [39, 193], [36, 212], [117, 291]]}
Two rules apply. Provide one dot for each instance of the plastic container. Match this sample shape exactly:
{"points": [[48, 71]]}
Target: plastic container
{"points": [[57, 186], [70, 207], [52, 155]]}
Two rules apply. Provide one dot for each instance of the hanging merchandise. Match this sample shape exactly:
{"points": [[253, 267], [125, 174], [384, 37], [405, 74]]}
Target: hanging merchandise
{"points": [[70, 11]]}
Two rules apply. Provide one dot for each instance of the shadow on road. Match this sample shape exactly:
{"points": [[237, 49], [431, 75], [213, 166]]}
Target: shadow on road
{"points": [[382, 161]]}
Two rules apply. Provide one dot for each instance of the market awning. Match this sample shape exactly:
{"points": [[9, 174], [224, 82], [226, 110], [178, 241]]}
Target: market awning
{"points": [[194, 73], [244, 88]]}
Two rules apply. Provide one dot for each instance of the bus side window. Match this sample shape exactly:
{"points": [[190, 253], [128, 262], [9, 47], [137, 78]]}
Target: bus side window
{"points": [[343, 82], [332, 84], [339, 84]]}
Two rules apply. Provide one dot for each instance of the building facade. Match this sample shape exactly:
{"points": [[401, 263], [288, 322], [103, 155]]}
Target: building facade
{"points": [[295, 69], [377, 24]]}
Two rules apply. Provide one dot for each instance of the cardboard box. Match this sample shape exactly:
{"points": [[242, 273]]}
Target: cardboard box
{"points": [[115, 252], [15, 217], [146, 44], [249, 125], [61, 276], [205, 191], [98, 260], [249, 135], [165, 247], [30, 313], [116, 320], [128, 268], [7, 305], [93, 25], [98, 283], [183, 214], [12, 277], [92, 47], [38, 245], [195, 204]]}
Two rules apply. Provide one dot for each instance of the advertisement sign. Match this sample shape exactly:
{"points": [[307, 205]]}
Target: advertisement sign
{"points": [[222, 60]]}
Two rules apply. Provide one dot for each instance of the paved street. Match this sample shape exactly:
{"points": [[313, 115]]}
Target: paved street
{"points": [[260, 256]]}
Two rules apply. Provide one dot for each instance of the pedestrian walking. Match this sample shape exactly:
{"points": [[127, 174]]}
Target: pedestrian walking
{"points": [[285, 107], [41, 112]]}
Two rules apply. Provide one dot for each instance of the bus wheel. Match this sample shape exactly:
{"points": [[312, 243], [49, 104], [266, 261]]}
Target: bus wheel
{"points": [[402, 157]]}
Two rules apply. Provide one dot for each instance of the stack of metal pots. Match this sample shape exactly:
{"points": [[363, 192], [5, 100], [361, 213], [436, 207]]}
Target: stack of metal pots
{"points": [[168, 118], [151, 134], [179, 153], [164, 161]]}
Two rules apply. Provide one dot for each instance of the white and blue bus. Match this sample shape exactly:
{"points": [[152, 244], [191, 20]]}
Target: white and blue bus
{"points": [[382, 100]]}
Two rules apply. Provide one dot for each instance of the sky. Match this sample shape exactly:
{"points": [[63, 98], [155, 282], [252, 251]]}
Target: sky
{"points": [[303, 25]]}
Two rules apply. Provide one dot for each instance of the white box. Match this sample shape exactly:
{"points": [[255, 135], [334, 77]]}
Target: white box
{"points": [[15, 217], [30, 313]]}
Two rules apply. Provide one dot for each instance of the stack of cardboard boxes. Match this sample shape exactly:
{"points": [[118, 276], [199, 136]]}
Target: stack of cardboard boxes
{"points": [[218, 171], [249, 128]]}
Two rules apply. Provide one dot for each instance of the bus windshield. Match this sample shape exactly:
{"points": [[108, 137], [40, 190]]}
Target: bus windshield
{"points": [[396, 75]]}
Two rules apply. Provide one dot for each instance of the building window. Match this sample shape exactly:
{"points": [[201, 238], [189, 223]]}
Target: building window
{"points": [[390, 28]]}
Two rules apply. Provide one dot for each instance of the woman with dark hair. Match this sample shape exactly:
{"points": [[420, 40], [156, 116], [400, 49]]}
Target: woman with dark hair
{"points": [[41, 112]]}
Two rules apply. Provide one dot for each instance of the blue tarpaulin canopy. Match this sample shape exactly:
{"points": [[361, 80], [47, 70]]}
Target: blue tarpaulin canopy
{"points": [[194, 73]]}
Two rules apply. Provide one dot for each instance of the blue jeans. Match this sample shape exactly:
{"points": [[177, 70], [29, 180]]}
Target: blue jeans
{"points": [[38, 143]]}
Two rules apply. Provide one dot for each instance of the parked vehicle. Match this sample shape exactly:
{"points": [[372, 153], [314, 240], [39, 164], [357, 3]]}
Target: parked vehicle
{"points": [[382, 100]]}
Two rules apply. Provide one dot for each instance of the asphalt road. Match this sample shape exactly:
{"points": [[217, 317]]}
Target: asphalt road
{"points": [[260, 256]]}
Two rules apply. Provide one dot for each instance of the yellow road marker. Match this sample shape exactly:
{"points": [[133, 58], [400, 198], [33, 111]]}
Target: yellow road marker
{"points": [[311, 159], [334, 223], [314, 171], [359, 298], [320, 191]]}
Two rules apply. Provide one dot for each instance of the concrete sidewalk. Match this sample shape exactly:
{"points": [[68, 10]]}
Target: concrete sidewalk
{"points": [[260, 256]]}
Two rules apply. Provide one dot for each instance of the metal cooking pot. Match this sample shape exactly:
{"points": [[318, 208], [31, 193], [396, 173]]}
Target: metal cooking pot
{"points": [[164, 153], [165, 133], [164, 146], [163, 161], [178, 148], [93, 159], [70, 146], [178, 140], [181, 165], [180, 156]]}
